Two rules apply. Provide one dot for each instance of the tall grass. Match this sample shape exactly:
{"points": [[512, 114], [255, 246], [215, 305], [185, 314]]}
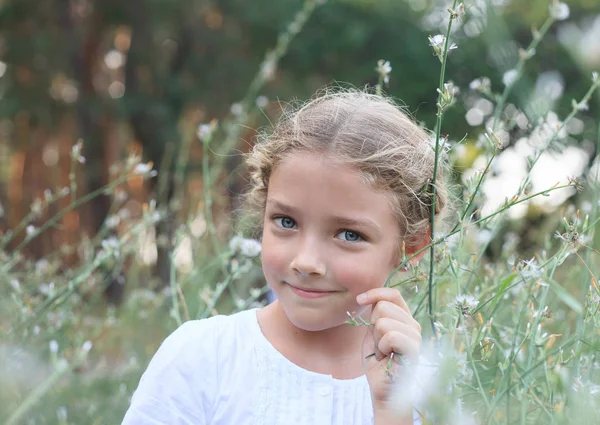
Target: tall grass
{"points": [[515, 338]]}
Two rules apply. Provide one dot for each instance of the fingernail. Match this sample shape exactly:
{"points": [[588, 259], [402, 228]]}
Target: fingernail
{"points": [[361, 298]]}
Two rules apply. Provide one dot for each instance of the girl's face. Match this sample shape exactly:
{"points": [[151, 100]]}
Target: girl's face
{"points": [[325, 230]]}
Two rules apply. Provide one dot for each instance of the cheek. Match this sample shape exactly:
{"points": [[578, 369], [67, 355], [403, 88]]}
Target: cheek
{"points": [[273, 256], [361, 274]]}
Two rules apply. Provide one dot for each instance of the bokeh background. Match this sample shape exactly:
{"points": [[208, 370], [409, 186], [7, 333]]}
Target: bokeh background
{"points": [[143, 77]]}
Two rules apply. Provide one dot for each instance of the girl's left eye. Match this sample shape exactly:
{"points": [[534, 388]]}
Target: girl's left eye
{"points": [[349, 236]]}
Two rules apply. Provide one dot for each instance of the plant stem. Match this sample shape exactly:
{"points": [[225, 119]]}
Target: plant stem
{"points": [[519, 68], [438, 131]]}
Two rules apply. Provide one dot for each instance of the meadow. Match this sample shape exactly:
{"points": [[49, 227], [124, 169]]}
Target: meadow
{"points": [[509, 306]]}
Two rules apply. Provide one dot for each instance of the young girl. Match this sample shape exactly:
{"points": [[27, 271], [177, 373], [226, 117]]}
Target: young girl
{"points": [[337, 189]]}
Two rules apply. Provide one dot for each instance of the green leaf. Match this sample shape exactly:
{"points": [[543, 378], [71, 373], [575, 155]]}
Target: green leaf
{"points": [[565, 297]]}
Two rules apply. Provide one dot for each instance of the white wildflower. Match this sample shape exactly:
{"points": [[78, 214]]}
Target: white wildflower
{"points": [[480, 84], [465, 304], [247, 247], [15, 284], [46, 288], [87, 346], [37, 207], [143, 169], [262, 101], [236, 109], [384, 68], [76, 150], [437, 43], [112, 221], [595, 76], [64, 191], [580, 106], [48, 195], [484, 236], [30, 230], [110, 243], [559, 10], [53, 346], [437, 40], [203, 131], [531, 269], [510, 77], [42, 265], [267, 69], [61, 414]]}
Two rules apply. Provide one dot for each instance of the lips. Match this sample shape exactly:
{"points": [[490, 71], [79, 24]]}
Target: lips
{"points": [[310, 289], [310, 293]]}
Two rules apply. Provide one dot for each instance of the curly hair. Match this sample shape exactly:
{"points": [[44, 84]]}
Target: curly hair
{"points": [[367, 131]]}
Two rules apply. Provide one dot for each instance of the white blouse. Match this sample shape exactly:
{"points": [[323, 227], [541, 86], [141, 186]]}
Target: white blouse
{"points": [[223, 371]]}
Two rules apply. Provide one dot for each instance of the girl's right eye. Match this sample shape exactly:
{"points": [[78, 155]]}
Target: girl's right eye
{"points": [[285, 222]]}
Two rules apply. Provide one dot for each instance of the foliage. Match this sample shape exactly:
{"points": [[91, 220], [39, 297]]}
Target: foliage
{"points": [[513, 328]]}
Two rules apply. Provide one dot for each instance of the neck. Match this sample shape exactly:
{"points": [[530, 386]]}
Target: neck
{"points": [[335, 351]]}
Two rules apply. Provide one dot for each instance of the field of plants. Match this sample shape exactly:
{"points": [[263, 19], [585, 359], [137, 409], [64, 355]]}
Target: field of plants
{"points": [[507, 295]]}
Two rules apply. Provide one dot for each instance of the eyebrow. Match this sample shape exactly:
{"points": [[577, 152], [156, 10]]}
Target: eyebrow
{"points": [[343, 221]]}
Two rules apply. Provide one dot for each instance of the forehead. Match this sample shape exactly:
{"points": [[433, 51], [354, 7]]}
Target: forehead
{"points": [[319, 185]]}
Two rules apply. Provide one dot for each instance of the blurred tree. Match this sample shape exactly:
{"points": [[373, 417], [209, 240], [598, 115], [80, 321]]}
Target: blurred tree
{"points": [[142, 75]]}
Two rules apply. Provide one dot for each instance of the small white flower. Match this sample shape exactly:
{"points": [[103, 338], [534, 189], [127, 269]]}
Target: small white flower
{"points": [[30, 230], [87, 346], [76, 150], [42, 265], [559, 10], [268, 69], [61, 413], [53, 346], [81, 159], [437, 40], [15, 284], [480, 84], [36, 207], [384, 68], [236, 109], [247, 247], [111, 245], [203, 131], [47, 195], [510, 77], [465, 304], [595, 76], [142, 168], [112, 221], [65, 191], [262, 101]]}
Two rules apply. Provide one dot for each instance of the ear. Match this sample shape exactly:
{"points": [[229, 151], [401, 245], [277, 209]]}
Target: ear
{"points": [[416, 244]]}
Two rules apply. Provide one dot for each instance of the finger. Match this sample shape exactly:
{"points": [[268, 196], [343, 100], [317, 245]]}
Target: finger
{"points": [[390, 310], [375, 295], [398, 342], [385, 325]]}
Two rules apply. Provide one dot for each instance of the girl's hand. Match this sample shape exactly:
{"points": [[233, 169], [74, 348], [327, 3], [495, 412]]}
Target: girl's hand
{"points": [[394, 338]]}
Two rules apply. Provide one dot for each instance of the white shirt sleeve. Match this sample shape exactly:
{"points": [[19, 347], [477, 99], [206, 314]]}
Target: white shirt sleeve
{"points": [[179, 384]]}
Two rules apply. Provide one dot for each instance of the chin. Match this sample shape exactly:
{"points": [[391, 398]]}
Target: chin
{"points": [[312, 320]]}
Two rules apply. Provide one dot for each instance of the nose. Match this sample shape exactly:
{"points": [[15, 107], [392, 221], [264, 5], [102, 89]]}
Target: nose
{"points": [[307, 261]]}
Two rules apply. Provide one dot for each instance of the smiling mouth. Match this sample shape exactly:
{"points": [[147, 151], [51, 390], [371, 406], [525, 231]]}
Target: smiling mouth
{"points": [[310, 293]]}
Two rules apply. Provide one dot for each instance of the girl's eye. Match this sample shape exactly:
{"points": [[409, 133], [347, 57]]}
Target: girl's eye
{"points": [[350, 236], [285, 222]]}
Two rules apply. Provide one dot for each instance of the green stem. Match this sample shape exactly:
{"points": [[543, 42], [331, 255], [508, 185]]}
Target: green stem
{"points": [[438, 131], [519, 68]]}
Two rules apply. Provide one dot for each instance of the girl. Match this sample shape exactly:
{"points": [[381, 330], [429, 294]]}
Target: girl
{"points": [[338, 188]]}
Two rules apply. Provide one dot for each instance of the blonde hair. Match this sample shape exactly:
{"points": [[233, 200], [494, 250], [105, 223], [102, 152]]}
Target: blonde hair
{"points": [[367, 131]]}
